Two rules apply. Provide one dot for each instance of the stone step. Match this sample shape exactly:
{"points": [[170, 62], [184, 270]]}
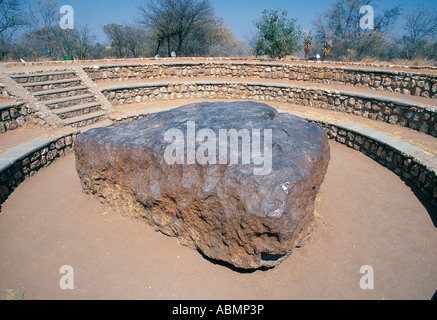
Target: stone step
{"points": [[69, 101], [77, 110], [59, 93], [16, 76], [42, 77], [51, 85], [86, 119], [55, 91]]}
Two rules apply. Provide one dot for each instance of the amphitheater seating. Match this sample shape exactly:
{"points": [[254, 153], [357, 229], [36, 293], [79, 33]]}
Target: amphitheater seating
{"points": [[65, 94], [78, 97]]}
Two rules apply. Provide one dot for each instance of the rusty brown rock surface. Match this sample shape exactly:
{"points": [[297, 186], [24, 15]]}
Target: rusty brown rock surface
{"points": [[247, 212]]}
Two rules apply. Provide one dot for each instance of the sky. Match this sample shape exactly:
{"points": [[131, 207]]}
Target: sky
{"points": [[239, 15]]}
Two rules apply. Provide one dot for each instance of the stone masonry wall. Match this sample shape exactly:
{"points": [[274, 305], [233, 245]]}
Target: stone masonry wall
{"points": [[404, 164], [4, 94], [28, 162], [12, 116], [42, 76], [392, 111], [409, 83]]}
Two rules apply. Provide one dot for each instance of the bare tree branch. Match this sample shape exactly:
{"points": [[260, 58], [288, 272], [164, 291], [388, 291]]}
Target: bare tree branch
{"points": [[173, 21]]}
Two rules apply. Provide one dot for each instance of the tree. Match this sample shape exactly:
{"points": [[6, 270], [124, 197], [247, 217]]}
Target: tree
{"points": [[12, 18], [136, 41], [190, 15], [156, 17], [341, 24], [308, 44], [85, 42], [216, 41], [174, 21], [37, 33], [48, 12], [126, 41], [115, 33], [47, 39], [52, 42], [327, 47], [11, 15], [421, 32], [278, 35]]}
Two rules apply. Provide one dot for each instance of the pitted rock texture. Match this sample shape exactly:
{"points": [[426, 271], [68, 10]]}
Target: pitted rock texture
{"points": [[225, 209]]}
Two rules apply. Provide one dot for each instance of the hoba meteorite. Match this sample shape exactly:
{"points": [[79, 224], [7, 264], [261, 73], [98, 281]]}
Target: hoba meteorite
{"points": [[217, 194]]}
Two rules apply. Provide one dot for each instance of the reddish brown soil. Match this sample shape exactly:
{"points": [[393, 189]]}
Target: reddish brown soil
{"points": [[365, 216]]}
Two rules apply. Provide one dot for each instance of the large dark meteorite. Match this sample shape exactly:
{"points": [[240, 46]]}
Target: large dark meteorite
{"points": [[236, 181]]}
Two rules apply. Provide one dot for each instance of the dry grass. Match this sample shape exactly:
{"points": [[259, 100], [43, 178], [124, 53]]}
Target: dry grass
{"points": [[402, 62], [419, 62], [416, 62]]}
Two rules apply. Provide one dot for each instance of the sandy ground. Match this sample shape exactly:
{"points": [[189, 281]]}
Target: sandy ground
{"points": [[7, 101], [365, 216], [25, 133]]}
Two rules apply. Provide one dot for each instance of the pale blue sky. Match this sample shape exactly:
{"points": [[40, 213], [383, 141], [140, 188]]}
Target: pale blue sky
{"points": [[237, 14]]}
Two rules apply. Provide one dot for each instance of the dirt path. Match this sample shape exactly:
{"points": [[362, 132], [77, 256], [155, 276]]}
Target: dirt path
{"points": [[25, 133], [365, 216]]}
